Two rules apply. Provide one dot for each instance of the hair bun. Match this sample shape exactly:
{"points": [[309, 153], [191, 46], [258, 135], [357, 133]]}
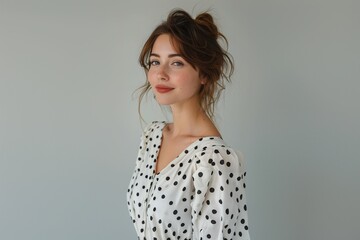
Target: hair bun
{"points": [[207, 22]]}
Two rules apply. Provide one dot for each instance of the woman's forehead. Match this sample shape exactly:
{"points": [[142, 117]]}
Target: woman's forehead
{"points": [[165, 42]]}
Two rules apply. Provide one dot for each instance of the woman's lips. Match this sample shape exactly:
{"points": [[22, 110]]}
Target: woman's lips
{"points": [[163, 89]]}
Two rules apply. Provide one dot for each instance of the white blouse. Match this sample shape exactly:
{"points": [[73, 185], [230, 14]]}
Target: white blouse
{"points": [[199, 195]]}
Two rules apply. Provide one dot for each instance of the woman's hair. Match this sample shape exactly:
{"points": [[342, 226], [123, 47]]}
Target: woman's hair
{"points": [[197, 42]]}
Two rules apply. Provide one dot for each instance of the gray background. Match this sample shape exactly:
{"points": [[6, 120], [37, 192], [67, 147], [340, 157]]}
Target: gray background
{"points": [[69, 129]]}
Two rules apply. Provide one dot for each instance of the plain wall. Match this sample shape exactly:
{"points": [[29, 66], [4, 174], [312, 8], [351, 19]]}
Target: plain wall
{"points": [[69, 128]]}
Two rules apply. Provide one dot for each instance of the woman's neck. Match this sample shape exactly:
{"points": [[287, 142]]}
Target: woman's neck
{"points": [[190, 120]]}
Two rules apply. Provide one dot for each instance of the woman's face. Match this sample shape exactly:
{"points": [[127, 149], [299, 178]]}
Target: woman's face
{"points": [[173, 80]]}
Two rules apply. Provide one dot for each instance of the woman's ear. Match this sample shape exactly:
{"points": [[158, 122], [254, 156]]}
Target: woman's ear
{"points": [[203, 80]]}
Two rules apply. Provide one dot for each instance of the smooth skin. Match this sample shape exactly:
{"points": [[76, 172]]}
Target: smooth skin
{"points": [[169, 70]]}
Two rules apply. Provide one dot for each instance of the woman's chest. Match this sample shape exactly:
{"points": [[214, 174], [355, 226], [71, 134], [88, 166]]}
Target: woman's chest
{"points": [[170, 193]]}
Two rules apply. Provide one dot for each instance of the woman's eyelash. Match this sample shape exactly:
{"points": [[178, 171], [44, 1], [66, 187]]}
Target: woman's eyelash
{"points": [[156, 62], [178, 63], [153, 62]]}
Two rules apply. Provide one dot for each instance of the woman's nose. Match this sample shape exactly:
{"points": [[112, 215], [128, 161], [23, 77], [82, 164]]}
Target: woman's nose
{"points": [[163, 72]]}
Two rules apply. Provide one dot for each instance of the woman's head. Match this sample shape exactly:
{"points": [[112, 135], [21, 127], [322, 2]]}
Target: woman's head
{"points": [[197, 41]]}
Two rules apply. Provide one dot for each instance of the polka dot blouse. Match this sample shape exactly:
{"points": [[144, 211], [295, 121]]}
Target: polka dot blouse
{"points": [[199, 195]]}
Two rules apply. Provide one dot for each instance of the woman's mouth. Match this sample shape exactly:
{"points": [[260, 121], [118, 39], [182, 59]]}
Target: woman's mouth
{"points": [[163, 89]]}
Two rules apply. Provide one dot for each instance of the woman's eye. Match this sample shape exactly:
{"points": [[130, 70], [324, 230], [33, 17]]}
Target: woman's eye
{"points": [[178, 64], [153, 63]]}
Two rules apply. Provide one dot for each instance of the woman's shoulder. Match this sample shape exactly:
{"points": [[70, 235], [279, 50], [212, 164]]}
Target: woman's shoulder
{"points": [[155, 124], [151, 127], [214, 145], [216, 153]]}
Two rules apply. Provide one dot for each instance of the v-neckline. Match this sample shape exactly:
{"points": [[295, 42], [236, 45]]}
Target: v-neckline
{"points": [[183, 152]]}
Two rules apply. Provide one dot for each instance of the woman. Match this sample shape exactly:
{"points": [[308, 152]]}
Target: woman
{"points": [[187, 184]]}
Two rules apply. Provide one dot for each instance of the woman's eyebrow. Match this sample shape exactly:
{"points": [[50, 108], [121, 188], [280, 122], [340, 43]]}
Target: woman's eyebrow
{"points": [[170, 55]]}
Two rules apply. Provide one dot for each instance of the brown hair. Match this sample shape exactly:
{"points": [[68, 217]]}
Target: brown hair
{"points": [[197, 41]]}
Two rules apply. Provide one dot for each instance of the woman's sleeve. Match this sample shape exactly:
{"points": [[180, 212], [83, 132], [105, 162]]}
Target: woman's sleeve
{"points": [[144, 140], [219, 208]]}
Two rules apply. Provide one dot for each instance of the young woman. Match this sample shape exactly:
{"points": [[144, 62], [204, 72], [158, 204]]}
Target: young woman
{"points": [[187, 184]]}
